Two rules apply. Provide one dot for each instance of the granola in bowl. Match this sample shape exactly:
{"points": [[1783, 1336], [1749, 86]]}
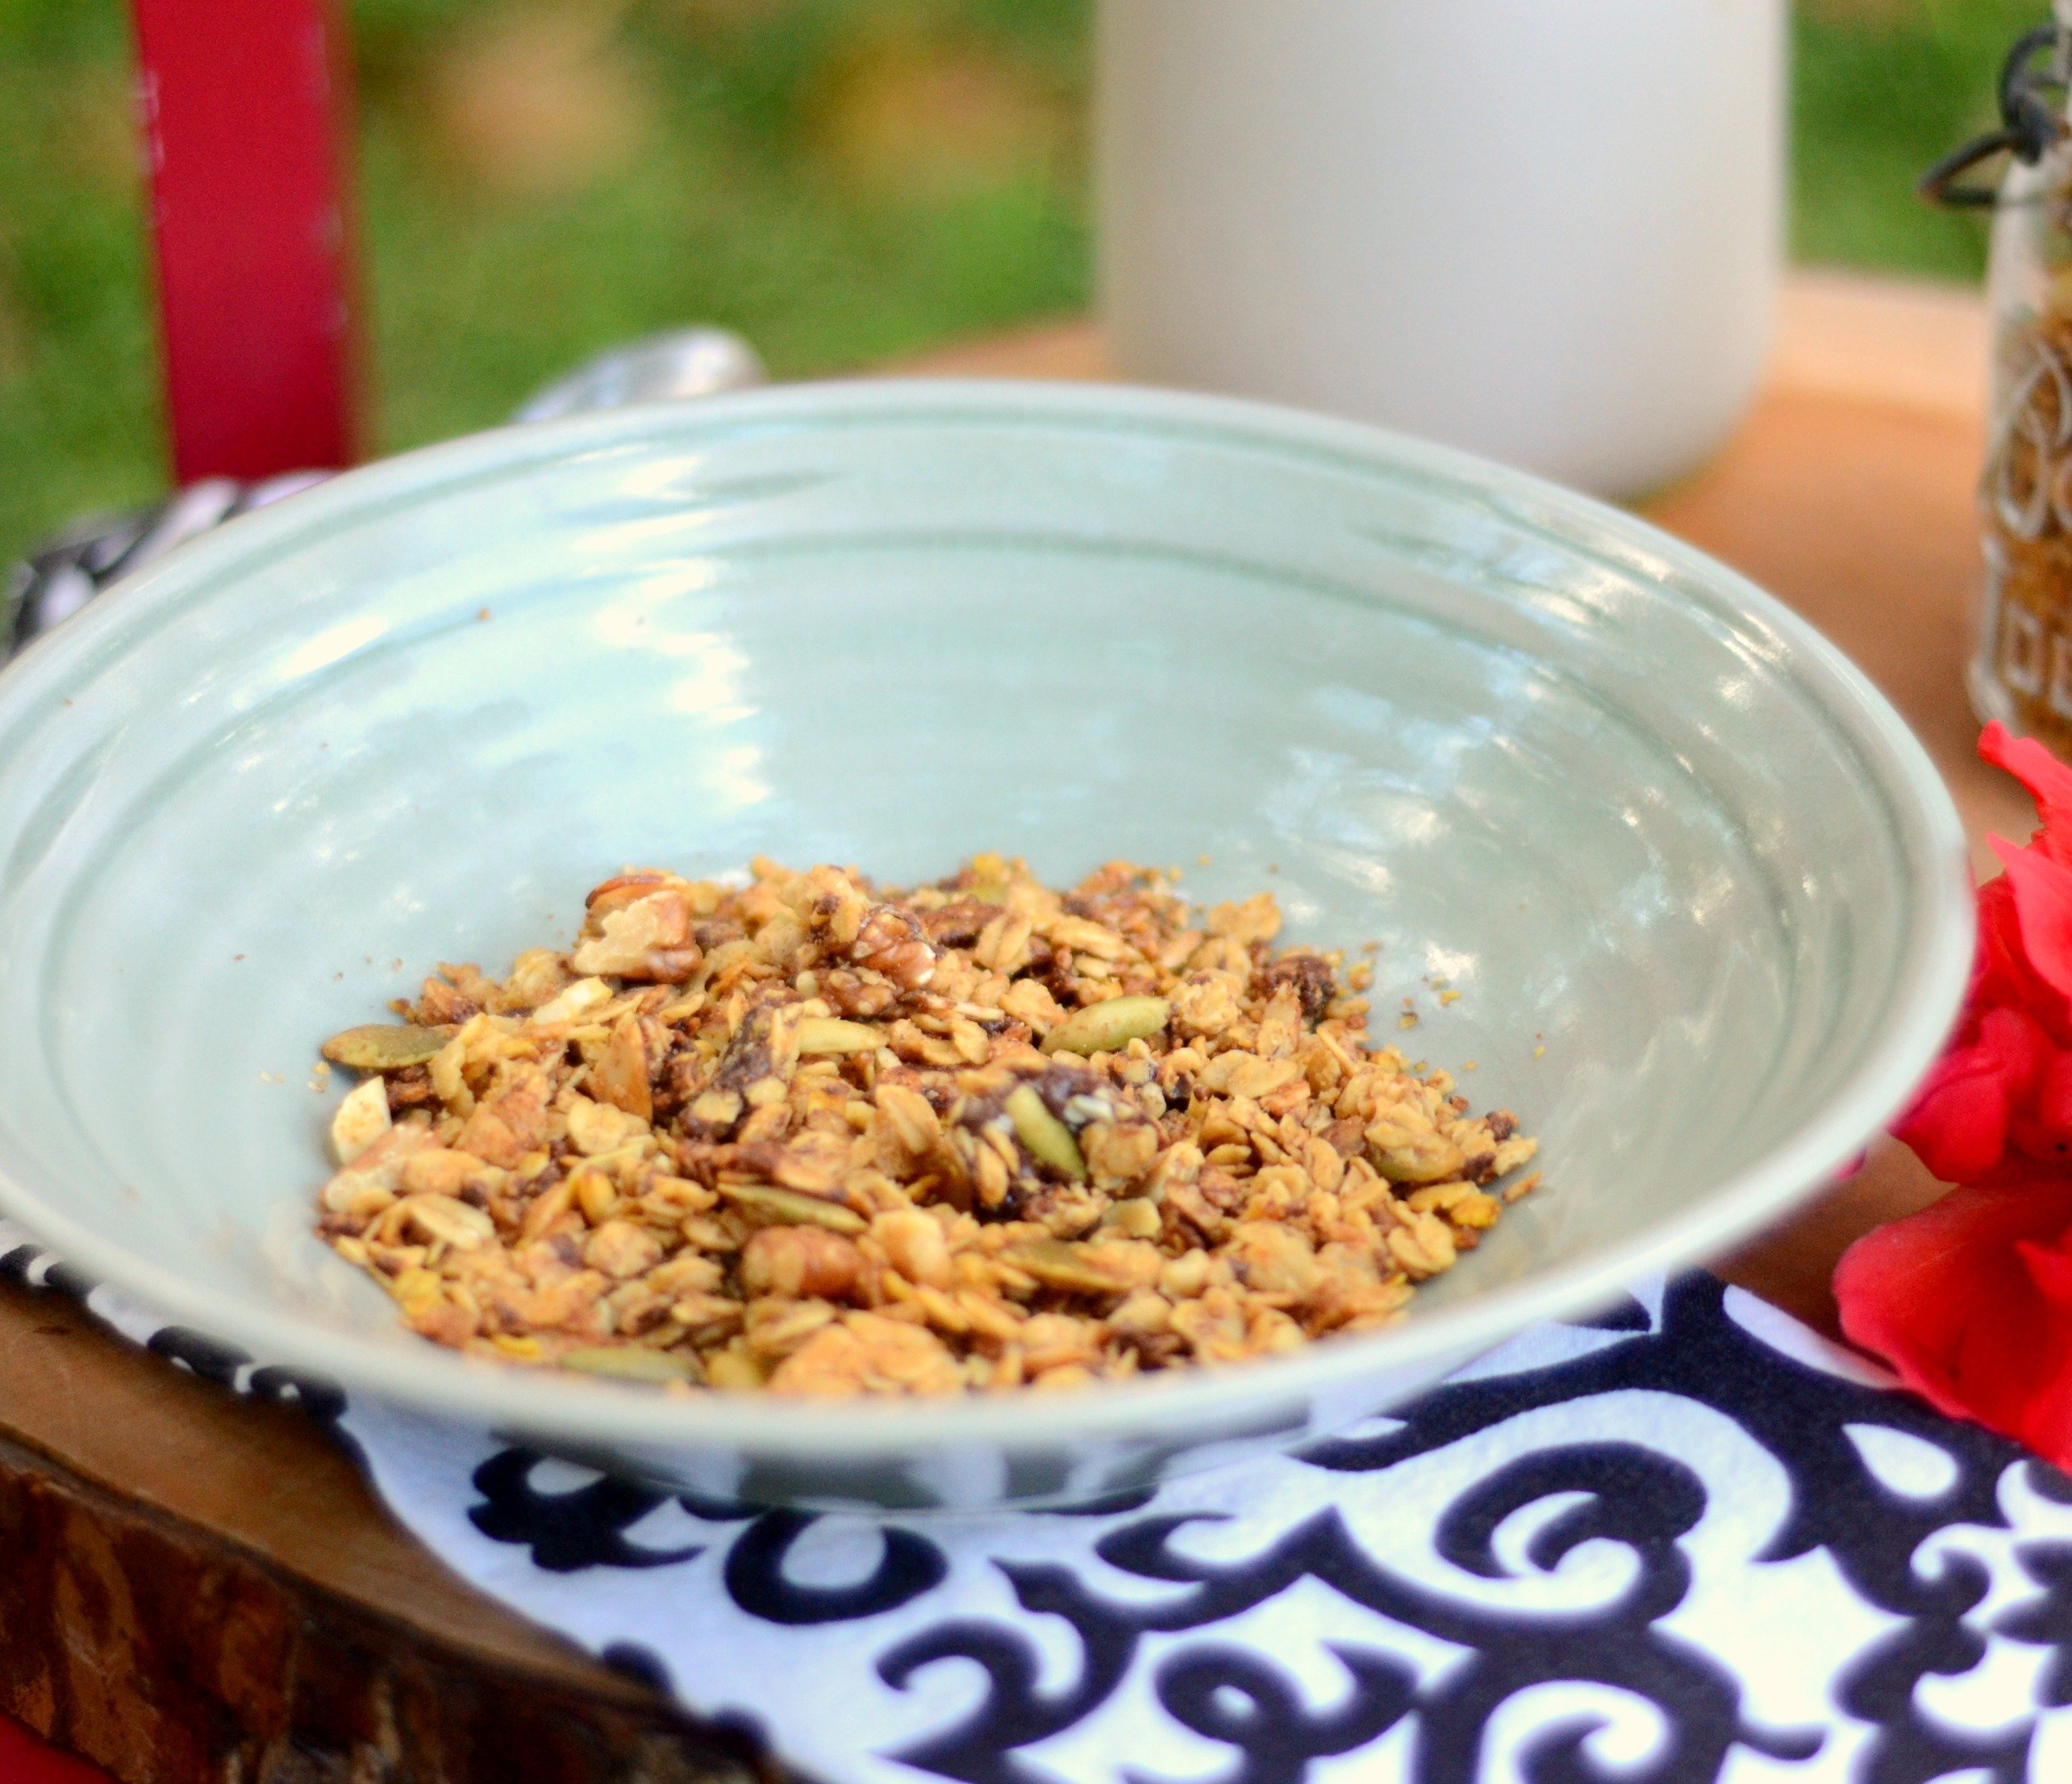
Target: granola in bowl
{"points": [[817, 1137]]}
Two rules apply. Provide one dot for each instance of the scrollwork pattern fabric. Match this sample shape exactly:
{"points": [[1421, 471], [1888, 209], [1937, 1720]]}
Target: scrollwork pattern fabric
{"points": [[1688, 1541]]}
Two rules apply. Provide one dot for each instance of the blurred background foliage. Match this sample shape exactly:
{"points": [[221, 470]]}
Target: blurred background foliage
{"points": [[842, 180]]}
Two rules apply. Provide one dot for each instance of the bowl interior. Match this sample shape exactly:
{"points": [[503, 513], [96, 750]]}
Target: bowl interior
{"points": [[1691, 885]]}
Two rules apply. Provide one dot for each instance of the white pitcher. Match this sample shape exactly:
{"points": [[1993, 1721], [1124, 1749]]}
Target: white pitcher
{"points": [[1548, 231]]}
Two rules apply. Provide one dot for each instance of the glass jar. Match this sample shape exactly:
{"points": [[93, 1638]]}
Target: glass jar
{"points": [[2021, 672]]}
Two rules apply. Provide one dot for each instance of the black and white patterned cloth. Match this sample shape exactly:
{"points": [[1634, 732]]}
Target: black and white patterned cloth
{"points": [[55, 581], [1687, 1541]]}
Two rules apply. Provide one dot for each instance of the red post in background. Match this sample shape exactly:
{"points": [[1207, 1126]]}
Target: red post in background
{"points": [[26, 1759], [247, 111]]}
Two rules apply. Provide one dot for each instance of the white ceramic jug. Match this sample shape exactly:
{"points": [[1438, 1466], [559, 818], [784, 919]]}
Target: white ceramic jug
{"points": [[1546, 230]]}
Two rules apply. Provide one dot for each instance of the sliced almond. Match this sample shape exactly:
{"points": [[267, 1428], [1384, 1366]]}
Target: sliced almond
{"points": [[574, 1001], [361, 1121], [370, 1182], [460, 1224], [1083, 937], [619, 1071], [823, 1034]]}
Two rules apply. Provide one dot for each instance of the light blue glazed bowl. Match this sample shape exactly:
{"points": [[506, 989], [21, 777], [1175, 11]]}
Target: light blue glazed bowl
{"points": [[1701, 893]]}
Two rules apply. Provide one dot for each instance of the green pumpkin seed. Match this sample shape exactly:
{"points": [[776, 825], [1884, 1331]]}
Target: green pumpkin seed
{"points": [[1046, 1139], [384, 1046], [629, 1363], [789, 1208], [1106, 1027], [1059, 1266], [1405, 1155]]}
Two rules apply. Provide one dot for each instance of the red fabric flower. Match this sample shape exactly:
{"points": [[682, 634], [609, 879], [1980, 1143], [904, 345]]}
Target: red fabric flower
{"points": [[2004, 1087], [1965, 1114], [1970, 1301]]}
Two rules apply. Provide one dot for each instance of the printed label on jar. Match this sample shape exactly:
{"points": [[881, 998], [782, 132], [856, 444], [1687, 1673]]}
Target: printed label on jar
{"points": [[2022, 674]]}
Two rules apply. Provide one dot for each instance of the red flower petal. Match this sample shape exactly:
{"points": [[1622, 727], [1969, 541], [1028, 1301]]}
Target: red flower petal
{"points": [[2048, 781], [1967, 1302], [2042, 892], [2050, 1106], [1970, 1301], [1961, 1117], [1958, 1124], [2050, 1271], [1998, 973]]}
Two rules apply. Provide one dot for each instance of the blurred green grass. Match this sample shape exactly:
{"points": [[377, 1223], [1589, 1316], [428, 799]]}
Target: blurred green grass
{"points": [[841, 179], [1880, 88]]}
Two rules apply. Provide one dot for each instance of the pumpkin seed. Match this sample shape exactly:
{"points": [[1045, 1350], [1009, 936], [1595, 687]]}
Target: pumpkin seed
{"points": [[789, 1208], [1404, 1154], [1106, 1027], [629, 1363], [1059, 1266], [384, 1046], [1045, 1138]]}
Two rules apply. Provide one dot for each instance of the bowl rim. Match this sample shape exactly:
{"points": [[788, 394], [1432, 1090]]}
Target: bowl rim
{"points": [[1930, 979]]}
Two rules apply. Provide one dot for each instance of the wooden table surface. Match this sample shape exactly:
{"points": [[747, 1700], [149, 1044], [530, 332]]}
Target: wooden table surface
{"points": [[194, 1588]]}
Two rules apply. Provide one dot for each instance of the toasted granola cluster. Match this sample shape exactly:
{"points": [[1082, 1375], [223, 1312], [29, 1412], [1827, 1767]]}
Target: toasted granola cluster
{"points": [[819, 1137]]}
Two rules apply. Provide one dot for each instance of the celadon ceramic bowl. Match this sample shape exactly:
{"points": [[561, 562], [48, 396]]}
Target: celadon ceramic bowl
{"points": [[1702, 895]]}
